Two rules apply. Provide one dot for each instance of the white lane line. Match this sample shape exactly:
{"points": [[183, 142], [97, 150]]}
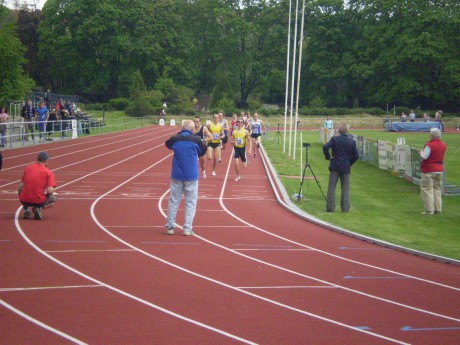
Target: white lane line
{"points": [[273, 250], [324, 252], [88, 250], [300, 311], [195, 274], [287, 287], [148, 133], [121, 292], [262, 245], [280, 201], [94, 157], [41, 324], [49, 288], [173, 243], [71, 241]]}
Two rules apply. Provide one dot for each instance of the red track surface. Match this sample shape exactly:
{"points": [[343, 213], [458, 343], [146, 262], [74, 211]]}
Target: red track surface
{"points": [[99, 268]]}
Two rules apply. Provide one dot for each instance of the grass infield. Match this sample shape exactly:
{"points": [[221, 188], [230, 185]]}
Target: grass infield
{"points": [[383, 206]]}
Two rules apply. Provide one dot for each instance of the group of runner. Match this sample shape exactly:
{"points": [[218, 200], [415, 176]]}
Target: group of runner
{"points": [[243, 131]]}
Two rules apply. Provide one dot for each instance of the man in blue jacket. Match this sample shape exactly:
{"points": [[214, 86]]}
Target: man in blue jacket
{"points": [[184, 176], [344, 154]]}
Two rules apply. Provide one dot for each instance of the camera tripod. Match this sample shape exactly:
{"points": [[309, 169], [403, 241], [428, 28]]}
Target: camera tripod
{"points": [[308, 166], [278, 135]]}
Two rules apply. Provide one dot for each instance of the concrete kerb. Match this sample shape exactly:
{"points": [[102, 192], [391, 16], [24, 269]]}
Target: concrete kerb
{"points": [[285, 201]]}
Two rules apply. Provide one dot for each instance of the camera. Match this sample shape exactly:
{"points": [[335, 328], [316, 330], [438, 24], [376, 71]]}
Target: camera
{"points": [[306, 144]]}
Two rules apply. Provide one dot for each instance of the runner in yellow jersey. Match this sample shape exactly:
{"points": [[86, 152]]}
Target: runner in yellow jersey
{"points": [[240, 138], [214, 146]]}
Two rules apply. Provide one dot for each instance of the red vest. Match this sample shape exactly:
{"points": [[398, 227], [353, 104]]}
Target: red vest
{"points": [[434, 163]]}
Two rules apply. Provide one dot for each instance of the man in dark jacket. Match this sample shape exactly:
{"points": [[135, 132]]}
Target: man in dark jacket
{"points": [[184, 176], [344, 154]]}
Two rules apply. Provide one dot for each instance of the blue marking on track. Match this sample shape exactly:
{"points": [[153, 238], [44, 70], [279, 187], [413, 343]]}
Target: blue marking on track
{"points": [[409, 328], [353, 277], [364, 328], [351, 248]]}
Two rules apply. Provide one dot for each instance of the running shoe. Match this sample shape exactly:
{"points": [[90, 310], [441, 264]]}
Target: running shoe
{"points": [[238, 178], [37, 213], [169, 231], [219, 160], [26, 214], [204, 173], [213, 173], [187, 233]]}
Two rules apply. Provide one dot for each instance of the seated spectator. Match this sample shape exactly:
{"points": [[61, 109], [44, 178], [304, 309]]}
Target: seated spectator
{"points": [[403, 117], [412, 116], [3, 119], [426, 117]]}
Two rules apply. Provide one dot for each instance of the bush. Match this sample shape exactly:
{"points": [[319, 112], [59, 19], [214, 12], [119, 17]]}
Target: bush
{"points": [[119, 103], [96, 106]]}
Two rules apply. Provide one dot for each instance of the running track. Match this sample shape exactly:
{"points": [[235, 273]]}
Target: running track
{"points": [[99, 268]]}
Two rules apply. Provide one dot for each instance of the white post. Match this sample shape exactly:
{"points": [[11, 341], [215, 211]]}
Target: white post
{"points": [[287, 76], [294, 55], [299, 68]]}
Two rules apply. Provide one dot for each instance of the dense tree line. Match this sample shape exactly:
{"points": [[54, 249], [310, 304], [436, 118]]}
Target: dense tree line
{"points": [[356, 53]]}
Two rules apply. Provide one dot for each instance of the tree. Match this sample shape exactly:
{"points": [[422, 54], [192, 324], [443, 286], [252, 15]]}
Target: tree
{"points": [[13, 81]]}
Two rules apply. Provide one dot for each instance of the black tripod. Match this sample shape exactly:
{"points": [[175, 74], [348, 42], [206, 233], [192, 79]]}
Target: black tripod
{"points": [[278, 135], [307, 165]]}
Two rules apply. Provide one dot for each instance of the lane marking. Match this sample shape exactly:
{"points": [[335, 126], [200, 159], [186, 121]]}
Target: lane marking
{"points": [[49, 288], [88, 250], [286, 206], [357, 248], [408, 328], [287, 287], [272, 250], [172, 243], [121, 292], [262, 245], [353, 277], [73, 241], [41, 324]]}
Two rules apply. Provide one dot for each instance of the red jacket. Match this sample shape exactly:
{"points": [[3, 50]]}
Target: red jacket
{"points": [[434, 163]]}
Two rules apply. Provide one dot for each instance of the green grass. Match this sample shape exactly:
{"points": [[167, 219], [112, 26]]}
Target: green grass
{"points": [[384, 206]]}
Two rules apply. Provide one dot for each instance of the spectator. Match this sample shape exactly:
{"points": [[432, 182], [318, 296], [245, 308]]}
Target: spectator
{"points": [[37, 187], [426, 117], [64, 117], [403, 117], [432, 168], [329, 124], [438, 116], [184, 176], [41, 116], [50, 125], [412, 116], [344, 155], [3, 120], [28, 113]]}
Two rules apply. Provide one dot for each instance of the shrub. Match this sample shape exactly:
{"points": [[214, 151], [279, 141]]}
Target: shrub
{"points": [[119, 103]]}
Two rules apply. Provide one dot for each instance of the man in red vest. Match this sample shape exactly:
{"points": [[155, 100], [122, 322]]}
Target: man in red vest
{"points": [[432, 170]]}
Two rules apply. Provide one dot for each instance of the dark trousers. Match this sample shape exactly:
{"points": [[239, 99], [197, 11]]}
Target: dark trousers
{"points": [[345, 194]]}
